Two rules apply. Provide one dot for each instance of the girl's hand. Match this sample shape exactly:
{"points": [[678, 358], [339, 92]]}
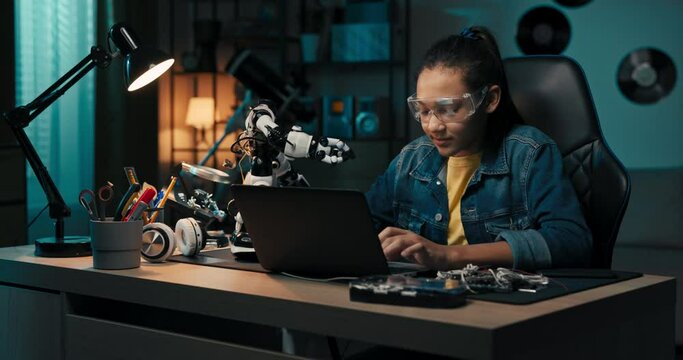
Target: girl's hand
{"points": [[399, 244]]}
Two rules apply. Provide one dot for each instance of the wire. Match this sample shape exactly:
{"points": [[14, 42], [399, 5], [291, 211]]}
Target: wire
{"points": [[463, 280], [227, 207], [238, 148], [36, 217], [559, 283], [246, 136], [338, 278], [241, 169], [249, 148], [495, 277]]}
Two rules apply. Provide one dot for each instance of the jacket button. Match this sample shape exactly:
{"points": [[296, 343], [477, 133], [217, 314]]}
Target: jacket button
{"points": [[438, 182], [438, 217]]}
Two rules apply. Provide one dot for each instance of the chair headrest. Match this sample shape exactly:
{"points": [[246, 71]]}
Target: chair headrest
{"points": [[552, 94]]}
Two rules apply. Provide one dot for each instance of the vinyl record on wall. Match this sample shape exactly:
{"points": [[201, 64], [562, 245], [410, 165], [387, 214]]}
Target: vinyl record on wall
{"points": [[543, 30], [646, 75], [572, 3]]}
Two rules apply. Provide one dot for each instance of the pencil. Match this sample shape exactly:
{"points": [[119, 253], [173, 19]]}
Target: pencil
{"points": [[131, 175]]}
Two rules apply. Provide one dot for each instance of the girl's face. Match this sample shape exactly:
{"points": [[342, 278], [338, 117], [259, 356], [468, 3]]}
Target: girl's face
{"points": [[451, 139]]}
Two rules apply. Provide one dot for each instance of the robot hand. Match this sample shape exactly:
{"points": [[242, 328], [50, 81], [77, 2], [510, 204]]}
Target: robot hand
{"points": [[328, 150]]}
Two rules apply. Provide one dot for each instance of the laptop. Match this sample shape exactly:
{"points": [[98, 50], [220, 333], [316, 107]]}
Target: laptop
{"points": [[314, 232]]}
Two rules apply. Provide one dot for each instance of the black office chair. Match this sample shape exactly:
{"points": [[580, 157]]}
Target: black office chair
{"points": [[552, 94]]}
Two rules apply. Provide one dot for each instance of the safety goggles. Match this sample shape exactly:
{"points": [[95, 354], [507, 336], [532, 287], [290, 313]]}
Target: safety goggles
{"points": [[447, 109]]}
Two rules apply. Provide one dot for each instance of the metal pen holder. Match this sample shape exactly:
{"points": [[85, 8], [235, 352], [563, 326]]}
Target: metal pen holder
{"points": [[116, 244]]}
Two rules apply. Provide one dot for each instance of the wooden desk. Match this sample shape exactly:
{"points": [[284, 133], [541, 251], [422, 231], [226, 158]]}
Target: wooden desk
{"points": [[630, 319]]}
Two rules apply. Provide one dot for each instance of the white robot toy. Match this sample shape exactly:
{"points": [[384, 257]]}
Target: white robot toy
{"points": [[270, 148]]}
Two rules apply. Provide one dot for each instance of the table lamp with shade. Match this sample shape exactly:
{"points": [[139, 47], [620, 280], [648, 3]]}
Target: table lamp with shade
{"points": [[201, 112], [141, 66]]}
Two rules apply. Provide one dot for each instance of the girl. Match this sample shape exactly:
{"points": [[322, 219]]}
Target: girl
{"points": [[478, 187]]}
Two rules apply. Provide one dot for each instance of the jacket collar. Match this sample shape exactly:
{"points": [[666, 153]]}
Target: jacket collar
{"points": [[493, 162]]}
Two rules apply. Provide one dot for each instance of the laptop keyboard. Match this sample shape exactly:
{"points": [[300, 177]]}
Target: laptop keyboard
{"points": [[398, 267]]}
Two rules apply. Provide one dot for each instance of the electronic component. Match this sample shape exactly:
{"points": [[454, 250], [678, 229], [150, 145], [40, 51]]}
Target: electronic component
{"points": [[203, 200], [372, 117], [337, 116], [501, 279], [406, 290]]}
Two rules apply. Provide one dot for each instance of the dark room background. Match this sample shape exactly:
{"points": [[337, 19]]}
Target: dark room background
{"points": [[148, 130]]}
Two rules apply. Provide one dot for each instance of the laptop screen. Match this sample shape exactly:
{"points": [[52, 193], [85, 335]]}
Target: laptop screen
{"points": [[311, 231]]}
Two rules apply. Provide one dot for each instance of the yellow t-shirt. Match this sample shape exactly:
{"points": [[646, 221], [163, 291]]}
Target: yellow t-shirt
{"points": [[458, 175]]}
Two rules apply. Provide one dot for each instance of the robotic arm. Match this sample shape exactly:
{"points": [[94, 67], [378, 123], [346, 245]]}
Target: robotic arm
{"points": [[294, 143], [273, 147]]}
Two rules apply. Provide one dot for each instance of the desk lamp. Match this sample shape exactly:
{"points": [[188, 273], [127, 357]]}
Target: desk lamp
{"points": [[141, 66]]}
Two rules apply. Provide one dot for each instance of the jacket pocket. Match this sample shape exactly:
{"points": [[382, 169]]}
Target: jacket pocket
{"points": [[509, 222], [409, 220]]}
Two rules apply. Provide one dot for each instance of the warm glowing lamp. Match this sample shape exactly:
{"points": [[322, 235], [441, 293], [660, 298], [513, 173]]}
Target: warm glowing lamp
{"points": [[201, 112]]}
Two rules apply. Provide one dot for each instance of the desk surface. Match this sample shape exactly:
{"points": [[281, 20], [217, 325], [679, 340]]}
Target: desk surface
{"points": [[477, 330]]}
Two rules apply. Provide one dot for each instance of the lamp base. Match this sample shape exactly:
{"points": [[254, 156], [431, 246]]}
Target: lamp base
{"points": [[69, 246]]}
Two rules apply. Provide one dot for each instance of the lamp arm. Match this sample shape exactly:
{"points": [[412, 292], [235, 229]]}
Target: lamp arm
{"points": [[59, 82], [21, 116], [58, 208]]}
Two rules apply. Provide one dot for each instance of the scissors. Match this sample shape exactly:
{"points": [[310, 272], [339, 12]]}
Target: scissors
{"points": [[87, 199], [104, 196]]}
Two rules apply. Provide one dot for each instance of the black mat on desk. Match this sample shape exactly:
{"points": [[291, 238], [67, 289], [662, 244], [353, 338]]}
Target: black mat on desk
{"points": [[222, 258], [562, 282]]}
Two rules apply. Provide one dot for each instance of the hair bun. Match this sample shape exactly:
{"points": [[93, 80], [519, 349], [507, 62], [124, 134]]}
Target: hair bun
{"points": [[470, 33]]}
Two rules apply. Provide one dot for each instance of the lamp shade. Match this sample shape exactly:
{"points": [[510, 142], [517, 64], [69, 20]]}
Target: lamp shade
{"points": [[200, 112], [143, 66]]}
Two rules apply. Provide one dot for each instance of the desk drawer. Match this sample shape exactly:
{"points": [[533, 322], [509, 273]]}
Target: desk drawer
{"points": [[91, 338]]}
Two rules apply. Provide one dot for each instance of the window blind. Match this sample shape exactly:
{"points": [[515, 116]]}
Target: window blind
{"points": [[52, 36]]}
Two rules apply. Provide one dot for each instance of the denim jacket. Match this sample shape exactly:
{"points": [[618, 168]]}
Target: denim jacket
{"points": [[519, 194]]}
